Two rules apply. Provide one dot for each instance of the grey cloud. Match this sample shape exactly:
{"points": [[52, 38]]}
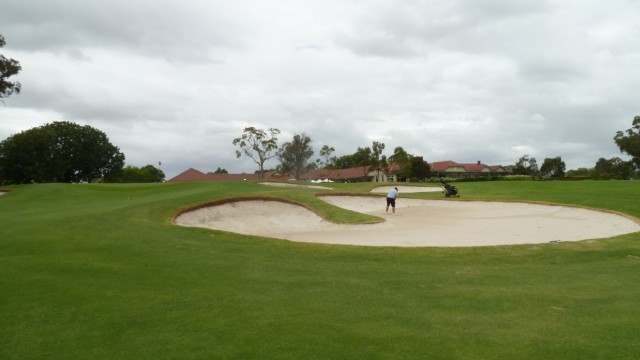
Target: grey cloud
{"points": [[378, 44], [155, 28], [461, 80], [410, 28]]}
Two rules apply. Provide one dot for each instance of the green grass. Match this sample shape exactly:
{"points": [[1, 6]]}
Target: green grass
{"points": [[100, 272]]}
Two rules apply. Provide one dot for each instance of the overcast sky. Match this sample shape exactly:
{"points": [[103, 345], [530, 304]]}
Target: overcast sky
{"points": [[461, 80]]}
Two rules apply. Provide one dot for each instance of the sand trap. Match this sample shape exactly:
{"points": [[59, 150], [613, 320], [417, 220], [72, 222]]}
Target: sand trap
{"points": [[295, 185], [416, 222], [405, 189]]}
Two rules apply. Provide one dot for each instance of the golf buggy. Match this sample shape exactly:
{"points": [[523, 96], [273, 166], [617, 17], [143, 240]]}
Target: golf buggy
{"points": [[449, 190]]}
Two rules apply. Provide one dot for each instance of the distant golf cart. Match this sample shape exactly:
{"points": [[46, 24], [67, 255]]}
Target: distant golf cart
{"points": [[449, 190]]}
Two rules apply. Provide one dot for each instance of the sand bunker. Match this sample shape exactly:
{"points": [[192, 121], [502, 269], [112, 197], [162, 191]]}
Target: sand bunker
{"points": [[416, 222], [405, 189], [279, 184]]}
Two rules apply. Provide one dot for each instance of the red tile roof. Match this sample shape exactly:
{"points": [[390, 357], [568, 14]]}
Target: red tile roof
{"points": [[443, 166], [192, 174], [350, 173]]}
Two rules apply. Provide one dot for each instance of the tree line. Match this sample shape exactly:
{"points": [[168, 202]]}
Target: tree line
{"points": [[614, 168], [294, 158], [295, 155], [67, 152]]}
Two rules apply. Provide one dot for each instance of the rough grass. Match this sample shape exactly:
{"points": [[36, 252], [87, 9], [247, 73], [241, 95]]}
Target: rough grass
{"points": [[100, 272]]}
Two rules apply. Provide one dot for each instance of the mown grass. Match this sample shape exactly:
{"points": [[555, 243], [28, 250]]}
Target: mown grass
{"points": [[100, 272]]}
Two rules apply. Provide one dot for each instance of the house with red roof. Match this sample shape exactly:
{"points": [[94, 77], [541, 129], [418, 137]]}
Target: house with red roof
{"points": [[356, 174], [452, 169]]}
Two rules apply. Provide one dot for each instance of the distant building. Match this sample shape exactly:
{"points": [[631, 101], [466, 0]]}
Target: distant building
{"points": [[356, 174], [452, 169], [447, 168]]}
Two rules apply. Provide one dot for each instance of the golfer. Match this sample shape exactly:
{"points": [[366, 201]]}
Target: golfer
{"points": [[391, 200]]}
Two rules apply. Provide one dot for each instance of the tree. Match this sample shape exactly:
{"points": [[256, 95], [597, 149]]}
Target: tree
{"points": [[526, 166], [553, 167], [384, 164], [614, 168], [326, 161], [220, 170], [362, 157], [343, 162], [294, 156], [419, 168], [400, 156], [376, 161], [581, 173], [403, 158], [630, 143], [603, 169], [8, 68], [258, 145], [153, 174], [147, 174], [59, 152]]}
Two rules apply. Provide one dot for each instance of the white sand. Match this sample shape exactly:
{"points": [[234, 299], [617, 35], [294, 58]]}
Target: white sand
{"points": [[280, 184], [416, 222], [406, 189]]}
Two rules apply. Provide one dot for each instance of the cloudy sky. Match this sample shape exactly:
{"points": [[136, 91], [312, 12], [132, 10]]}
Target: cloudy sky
{"points": [[462, 80]]}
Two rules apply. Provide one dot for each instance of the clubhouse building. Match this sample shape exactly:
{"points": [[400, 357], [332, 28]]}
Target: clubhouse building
{"points": [[448, 169]]}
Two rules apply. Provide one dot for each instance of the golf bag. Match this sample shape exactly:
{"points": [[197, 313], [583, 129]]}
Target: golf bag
{"points": [[449, 190]]}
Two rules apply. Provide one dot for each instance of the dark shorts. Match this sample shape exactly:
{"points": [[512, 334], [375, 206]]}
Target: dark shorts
{"points": [[391, 201]]}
